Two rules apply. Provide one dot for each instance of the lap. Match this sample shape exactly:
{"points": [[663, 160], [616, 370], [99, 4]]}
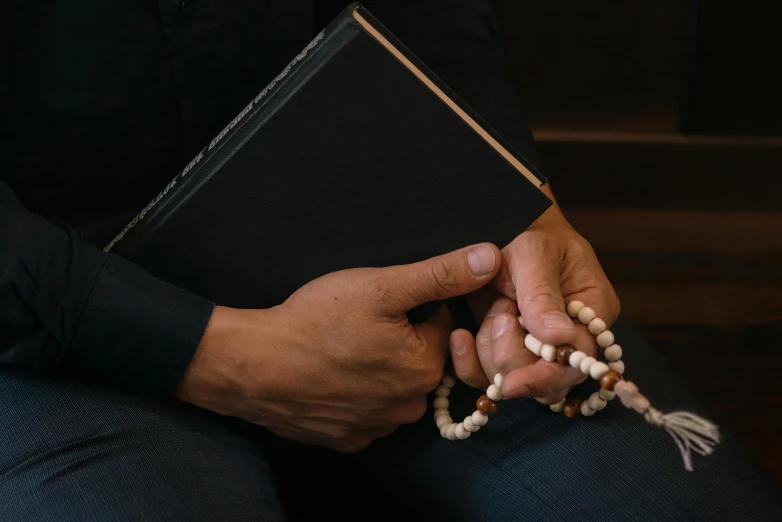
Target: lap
{"points": [[79, 452], [84, 453]]}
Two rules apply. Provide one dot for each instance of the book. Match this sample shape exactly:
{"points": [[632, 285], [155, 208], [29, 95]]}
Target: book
{"points": [[355, 155]]}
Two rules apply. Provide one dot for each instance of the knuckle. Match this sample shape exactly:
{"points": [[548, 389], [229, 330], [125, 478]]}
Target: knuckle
{"points": [[379, 290], [443, 275]]}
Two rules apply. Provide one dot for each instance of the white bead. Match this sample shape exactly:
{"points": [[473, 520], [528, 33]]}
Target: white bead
{"points": [[573, 307], [576, 358], [617, 366], [469, 425], [441, 412], [586, 315], [494, 392], [605, 339], [596, 326], [606, 395], [532, 344], [443, 421], [598, 369], [556, 408], [586, 411], [548, 352], [442, 391], [479, 419], [498, 380], [461, 433], [521, 321], [452, 431], [586, 364], [613, 352], [448, 381], [444, 430], [441, 402], [596, 402]]}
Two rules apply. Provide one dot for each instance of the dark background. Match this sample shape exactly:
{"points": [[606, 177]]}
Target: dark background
{"points": [[660, 127]]}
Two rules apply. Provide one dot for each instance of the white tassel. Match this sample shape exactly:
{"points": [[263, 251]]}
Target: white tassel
{"points": [[691, 433]]}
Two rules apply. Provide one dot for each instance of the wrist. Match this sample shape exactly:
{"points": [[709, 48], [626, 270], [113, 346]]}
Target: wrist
{"points": [[233, 338]]}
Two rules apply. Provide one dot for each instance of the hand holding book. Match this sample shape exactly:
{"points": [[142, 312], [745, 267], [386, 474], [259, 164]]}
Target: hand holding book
{"points": [[337, 364]]}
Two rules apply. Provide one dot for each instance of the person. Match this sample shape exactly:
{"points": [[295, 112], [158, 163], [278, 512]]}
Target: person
{"points": [[126, 398]]}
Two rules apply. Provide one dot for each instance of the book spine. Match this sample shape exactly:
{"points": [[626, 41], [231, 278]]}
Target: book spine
{"points": [[209, 159]]}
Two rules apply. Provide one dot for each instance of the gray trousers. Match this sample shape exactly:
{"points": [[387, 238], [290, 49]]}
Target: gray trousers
{"points": [[76, 451]]}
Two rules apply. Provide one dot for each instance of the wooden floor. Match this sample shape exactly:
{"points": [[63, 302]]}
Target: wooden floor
{"points": [[690, 234]]}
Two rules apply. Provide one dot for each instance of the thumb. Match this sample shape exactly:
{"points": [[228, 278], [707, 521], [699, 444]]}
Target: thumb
{"points": [[439, 278], [537, 282]]}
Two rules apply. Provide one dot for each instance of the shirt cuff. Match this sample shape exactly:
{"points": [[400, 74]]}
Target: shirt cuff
{"points": [[136, 331]]}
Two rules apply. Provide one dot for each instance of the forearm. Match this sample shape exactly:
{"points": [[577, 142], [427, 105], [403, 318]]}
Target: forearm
{"points": [[67, 306]]}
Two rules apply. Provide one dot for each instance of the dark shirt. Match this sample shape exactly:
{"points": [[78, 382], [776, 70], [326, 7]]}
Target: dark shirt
{"points": [[104, 101]]}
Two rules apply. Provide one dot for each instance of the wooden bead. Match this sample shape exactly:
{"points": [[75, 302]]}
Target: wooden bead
{"points": [[532, 344], [596, 402], [521, 321], [573, 307], [479, 419], [441, 402], [498, 380], [613, 353], [444, 430], [557, 407], [596, 326], [444, 421], [606, 395], [449, 381], [586, 410], [564, 353], [469, 425], [617, 366], [576, 358], [586, 315], [485, 405], [441, 412], [548, 353], [571, 408], [451, 433], [586, 364], [442, 391], [461, 433], [609, 380], [605, 339], [597, 370], [494, 393]]}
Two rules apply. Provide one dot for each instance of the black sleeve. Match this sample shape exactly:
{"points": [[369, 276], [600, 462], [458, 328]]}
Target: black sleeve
{"points": [[70, 308], [460, 41]]}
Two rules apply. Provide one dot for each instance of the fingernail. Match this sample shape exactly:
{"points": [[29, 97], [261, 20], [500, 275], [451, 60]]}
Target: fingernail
{"points": [[499, 326], [481, 260], [459, 346], [499, 306], [557, 320]]}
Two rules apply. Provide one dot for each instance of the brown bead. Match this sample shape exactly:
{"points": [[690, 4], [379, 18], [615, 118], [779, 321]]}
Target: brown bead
{"points": [[572, 408], [486, 406], [609, 380], [564, 353]]}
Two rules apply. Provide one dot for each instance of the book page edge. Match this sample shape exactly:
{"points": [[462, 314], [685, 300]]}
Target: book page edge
{"points": [[447, 100]]}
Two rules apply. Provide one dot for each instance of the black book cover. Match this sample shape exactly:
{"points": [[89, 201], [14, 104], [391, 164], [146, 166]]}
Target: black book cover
{"points": [[355, 155]]}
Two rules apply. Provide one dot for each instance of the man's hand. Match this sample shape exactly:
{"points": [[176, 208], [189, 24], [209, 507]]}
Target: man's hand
{"points": [[544, 267], [338, 364]]}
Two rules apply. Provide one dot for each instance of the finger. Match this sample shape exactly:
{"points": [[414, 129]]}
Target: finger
{"points": [[500, 345], [535, 270], [433, 336], [553, 398], [542, 379], [406, 412], [457, 273], [465, 359]]}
